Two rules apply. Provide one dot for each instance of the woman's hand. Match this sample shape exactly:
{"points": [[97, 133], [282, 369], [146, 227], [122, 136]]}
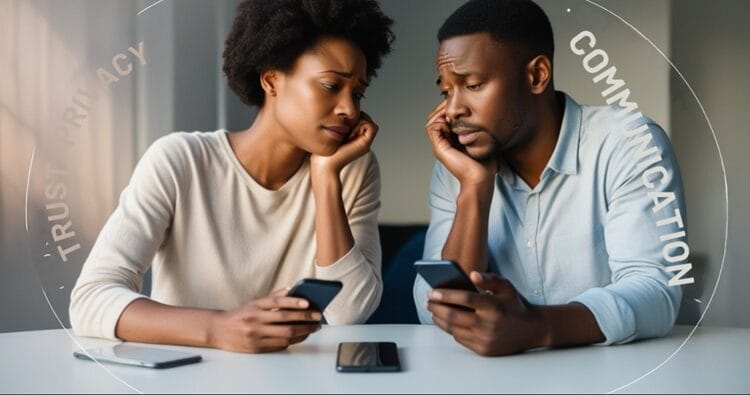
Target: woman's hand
{"points": [[264, 325], [358, 144]]}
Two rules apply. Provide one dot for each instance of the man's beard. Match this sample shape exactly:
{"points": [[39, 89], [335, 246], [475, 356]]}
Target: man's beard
{"points": [[494, 152]]}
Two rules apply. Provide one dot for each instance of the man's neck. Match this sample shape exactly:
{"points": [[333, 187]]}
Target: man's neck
{"points": [[530, 160]]}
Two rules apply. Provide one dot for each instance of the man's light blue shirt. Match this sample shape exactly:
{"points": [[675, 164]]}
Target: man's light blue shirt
{"points": [[588, 231]]}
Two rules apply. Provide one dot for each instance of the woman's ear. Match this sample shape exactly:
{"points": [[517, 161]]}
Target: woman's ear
{"points": [[269, 81], [539, 72]]}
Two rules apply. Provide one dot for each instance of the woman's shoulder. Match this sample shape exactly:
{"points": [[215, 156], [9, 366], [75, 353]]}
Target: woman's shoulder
{"points": [[181, 148], [364, 166]]}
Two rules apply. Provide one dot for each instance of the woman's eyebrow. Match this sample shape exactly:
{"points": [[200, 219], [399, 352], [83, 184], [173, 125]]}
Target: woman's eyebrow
{"points": [[346, 75]]}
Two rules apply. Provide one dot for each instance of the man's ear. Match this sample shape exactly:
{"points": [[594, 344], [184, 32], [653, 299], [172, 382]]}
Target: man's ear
{"points": [[269, 81], [539, 73]]}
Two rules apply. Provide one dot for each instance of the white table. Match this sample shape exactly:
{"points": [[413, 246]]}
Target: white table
{"points": [[714, 360]]}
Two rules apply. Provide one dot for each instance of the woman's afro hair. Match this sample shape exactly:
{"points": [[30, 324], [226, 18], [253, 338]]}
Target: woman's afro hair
{"points": [[272, 34]]}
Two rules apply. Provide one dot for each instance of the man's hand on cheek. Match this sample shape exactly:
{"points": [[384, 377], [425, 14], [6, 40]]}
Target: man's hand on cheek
{"points": [[452, 154], [497, 322]]}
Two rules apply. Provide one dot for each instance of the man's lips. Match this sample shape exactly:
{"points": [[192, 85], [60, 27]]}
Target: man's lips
{"points": [[339, 132], [466, 137]]}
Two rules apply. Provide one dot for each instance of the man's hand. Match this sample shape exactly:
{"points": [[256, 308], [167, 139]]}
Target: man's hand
{"points": [[358, 144], [467, 170], [264, 325], [496, 322]]}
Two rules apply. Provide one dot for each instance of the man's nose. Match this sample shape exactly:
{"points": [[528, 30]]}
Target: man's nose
{"points": [[455, 108]]}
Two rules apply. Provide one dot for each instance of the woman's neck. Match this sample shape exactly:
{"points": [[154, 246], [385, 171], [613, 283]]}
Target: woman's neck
{"points": [[266, 153]]}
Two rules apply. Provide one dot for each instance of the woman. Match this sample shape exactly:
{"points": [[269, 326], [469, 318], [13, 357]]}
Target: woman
{"points": [[229, 218]]}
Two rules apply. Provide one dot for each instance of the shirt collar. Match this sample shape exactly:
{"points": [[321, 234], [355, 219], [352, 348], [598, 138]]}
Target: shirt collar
{"points": [[565, 156]]}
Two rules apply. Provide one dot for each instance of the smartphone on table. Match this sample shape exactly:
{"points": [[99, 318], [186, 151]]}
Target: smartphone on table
{"points": [[128, 354], [444, 274], [368, 357]]}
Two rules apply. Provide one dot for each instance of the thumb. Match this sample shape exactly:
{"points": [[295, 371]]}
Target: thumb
{"points": [[494, 284]]}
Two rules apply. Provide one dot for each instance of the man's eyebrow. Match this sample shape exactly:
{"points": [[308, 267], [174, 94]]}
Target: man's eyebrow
{"points": [[462, 75], [345, 75]]}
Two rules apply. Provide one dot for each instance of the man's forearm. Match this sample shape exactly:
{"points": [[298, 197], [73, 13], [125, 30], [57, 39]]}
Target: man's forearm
{"points": [[467, 240], [565, 325]]}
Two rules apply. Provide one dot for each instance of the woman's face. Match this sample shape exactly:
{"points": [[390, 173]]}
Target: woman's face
{"points": [[317, 102]]}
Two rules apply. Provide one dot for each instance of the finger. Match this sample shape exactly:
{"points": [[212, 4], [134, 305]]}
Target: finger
{"points": [[287, 316], [470, 343], [468, 299], [494, 285], [285, 331], [282, 302], [438, 117], [462, 334], [440, 107], [365, 116], [452, 315], [437, 132], [445, 325], [369, 131], [271, 344]]}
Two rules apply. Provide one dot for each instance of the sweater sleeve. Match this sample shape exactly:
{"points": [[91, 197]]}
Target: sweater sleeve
{"points": [[358, 269], [112, 275]]}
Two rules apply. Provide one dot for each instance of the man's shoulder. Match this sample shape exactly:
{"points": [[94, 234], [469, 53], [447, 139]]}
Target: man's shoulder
{"points": [[606, 129]]}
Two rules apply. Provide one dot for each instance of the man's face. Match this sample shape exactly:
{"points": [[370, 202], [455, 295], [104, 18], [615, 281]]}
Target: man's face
{"points": [[484, 84]]}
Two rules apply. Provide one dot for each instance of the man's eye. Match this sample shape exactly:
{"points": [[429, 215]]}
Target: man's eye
{"points": [[473, 87], [359, 96]]}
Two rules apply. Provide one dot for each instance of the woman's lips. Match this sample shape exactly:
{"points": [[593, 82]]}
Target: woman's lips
{"points": [[339, 133], [466, 138]]}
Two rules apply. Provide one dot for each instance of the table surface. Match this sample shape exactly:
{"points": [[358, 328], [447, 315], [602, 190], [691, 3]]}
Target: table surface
{"points": [[713, 360]]}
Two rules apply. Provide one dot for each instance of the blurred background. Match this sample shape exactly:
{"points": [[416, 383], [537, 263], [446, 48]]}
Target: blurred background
{"points": [[78, 107]]}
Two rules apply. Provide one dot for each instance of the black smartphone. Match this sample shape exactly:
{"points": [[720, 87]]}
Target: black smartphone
{"points": [[318, 292], [444, 274], [149, 357], [368, 357]]}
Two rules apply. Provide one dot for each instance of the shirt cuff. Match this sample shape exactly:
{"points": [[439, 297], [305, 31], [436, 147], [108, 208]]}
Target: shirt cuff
{"points": [[342, 267], [113, 311], [614, 315]]}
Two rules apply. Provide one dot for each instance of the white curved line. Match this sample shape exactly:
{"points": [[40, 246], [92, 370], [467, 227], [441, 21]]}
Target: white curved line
{"points": [[726, 193], [146, 9], [81, 346], [28, 183]]}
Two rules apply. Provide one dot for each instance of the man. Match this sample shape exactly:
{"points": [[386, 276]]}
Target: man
{"points": [[540, 199]]}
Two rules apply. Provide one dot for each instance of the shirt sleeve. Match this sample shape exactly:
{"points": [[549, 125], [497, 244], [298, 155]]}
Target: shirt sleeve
{"points": [[444, 190], [112, 275], [639, 302], [358, 269]]}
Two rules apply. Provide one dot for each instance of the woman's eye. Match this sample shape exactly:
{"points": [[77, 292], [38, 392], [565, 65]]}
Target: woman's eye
{"points": [[329, 86], [359, 96]]}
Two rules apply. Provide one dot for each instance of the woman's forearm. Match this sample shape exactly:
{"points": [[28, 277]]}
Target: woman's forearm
{"points": [[332, 232], [147, 321]]}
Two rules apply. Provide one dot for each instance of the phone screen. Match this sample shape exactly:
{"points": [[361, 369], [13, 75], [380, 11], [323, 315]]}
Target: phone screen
{"points": [[318, 292], [444, 274], [368, 357], [128, 354]]}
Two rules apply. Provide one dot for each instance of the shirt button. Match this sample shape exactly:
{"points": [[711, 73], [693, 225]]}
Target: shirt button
{"points": [[529, 243], [537, 292]]}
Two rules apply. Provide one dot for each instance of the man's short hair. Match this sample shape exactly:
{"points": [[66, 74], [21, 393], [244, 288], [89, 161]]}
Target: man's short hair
{"points": [[518, 21]]}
